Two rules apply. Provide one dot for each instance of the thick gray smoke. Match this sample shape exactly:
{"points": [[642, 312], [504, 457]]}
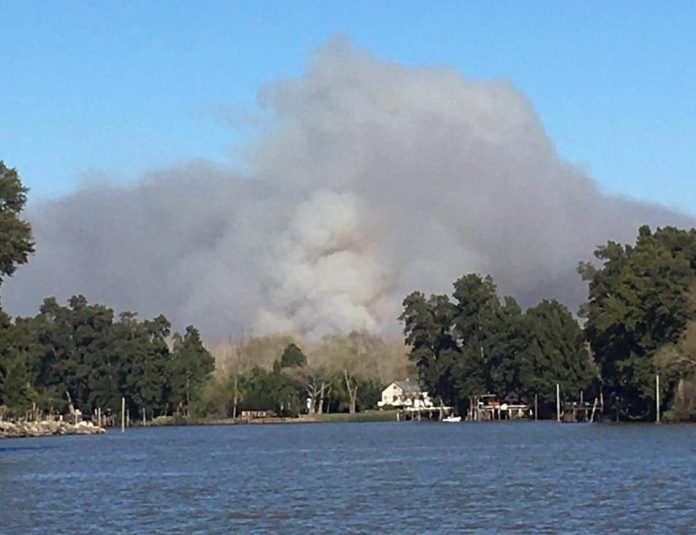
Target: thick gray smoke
{"points": [[371, 180]]}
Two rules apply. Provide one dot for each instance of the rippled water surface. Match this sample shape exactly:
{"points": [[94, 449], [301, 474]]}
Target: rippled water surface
{"points": [[354, 478]]}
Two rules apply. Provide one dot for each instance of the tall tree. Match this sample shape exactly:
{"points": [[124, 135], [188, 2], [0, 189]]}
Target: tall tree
{"points": [[16, 241], [16, 244], [428, 331], [477, 344], [191, 366], [557, 354], [638, 303], [292, 356]]}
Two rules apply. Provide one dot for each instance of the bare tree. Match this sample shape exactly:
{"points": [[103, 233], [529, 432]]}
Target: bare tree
{"points": [[315, 382]]}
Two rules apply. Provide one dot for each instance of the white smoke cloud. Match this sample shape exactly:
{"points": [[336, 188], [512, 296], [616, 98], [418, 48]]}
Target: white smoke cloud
{"points": [[371, 180]]}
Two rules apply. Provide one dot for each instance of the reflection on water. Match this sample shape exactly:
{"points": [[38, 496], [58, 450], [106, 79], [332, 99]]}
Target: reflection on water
{"points": [[354, 478]]}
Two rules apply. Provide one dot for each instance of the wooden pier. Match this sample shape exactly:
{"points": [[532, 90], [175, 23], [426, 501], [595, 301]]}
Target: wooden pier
{"points": [[576, 412], [487, 407], [423, 413]]}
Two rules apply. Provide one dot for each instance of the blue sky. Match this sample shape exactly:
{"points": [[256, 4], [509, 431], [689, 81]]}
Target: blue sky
{"points": [[115, 89]]}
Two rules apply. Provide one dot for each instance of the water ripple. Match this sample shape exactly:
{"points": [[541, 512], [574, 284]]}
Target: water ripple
{"points": [[354, 478]]}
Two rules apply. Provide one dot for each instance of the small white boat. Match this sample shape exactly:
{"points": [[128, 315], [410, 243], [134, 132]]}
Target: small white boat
{"points": [[452, 419]]}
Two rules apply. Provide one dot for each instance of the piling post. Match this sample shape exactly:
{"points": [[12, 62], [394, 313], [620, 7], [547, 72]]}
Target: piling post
{"points": [[123, 414], [657, 399], [558, 402], [536, 406], [594, 407]]}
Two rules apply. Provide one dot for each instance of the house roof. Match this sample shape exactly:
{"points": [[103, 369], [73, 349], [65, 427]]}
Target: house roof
{"points": [[408, 386]]}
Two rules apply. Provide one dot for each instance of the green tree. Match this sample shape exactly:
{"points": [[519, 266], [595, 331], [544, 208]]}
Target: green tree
{"points": [[292, 356], [16, 244], [81, 350], [638, 303], [506, 340], [557, 354], [477, 344], [270, 391], [16, 241], [141, 359], [191, 367], [18, 391], [428, 331], [16, 352]]}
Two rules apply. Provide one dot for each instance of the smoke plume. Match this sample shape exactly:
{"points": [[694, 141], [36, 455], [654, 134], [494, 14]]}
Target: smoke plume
{"points": [[370, 180]]}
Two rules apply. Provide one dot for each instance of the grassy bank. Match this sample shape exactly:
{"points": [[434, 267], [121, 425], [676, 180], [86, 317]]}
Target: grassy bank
{"points": [[365, 416]]}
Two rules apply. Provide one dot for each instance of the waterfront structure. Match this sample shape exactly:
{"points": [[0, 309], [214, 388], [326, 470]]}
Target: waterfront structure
{"points": [[405, 395], [488, 407]]}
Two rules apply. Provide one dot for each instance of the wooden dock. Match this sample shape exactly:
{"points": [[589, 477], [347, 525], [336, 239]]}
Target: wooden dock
{"points": [[423, 413], [487, 407]]}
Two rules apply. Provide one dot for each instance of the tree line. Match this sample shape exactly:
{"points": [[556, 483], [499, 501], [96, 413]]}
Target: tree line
{"points": [[85, 354], [338, 375], [475, 343], [639, 321], [81, 352]]}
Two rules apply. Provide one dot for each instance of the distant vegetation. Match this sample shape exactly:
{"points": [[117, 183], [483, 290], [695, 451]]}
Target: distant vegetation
{"points": [[473, 344], [639, 320], [82, 350], [340, 373]]}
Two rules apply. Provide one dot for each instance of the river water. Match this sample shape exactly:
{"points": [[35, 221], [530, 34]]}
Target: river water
{"points": [[354, 478]]}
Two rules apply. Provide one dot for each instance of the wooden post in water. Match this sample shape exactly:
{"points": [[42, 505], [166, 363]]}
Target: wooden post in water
{"points": [[594, 408], [123, 414], [536, 406], [657, 399], [558, 402]]}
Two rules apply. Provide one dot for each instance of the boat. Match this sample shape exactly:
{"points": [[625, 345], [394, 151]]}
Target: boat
{"points": [[452, 419]]}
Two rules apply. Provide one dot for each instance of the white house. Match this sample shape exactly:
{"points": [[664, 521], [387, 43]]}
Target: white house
{"points": [[405, 394]]}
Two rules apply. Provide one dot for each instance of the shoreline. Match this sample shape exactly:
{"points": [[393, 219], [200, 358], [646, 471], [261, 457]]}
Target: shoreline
{"points": [[47, 428], [371, 417], [367, 416]]}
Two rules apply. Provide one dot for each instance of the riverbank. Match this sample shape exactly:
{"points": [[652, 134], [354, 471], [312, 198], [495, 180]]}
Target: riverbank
{"points": [[366, 416], [47, 428]]}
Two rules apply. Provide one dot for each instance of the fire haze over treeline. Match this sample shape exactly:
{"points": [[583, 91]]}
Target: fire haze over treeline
{"points": [[367, 180]]}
